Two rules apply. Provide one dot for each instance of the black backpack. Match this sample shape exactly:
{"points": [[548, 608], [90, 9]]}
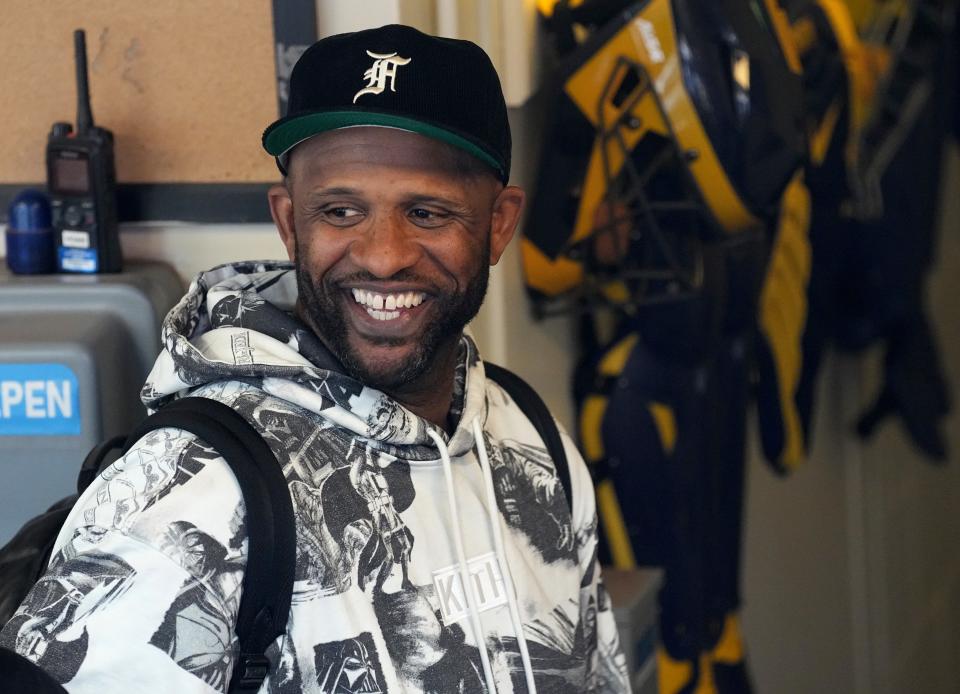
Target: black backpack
{"points": [[271, 549], [267, 581]]}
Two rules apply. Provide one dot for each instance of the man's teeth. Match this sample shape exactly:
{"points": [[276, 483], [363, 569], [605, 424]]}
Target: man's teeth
{"points": [[383, 315], [383, 306]]}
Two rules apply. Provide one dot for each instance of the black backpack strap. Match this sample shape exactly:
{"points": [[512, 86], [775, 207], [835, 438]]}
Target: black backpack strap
{"points": [[271, 531], [93, 464], [19, 676], [536, 411]]}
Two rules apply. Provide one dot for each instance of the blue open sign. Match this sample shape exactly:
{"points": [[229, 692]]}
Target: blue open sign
{"points": [[38, 400]]}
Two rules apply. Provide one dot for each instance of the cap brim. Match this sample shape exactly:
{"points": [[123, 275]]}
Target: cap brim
{"points": [[285, 134]]}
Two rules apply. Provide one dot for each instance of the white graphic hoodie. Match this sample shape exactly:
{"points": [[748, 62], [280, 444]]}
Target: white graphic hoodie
{"points": [[142, 590]]}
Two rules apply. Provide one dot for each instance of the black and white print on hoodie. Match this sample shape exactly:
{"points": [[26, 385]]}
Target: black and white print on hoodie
{"points": [[144, 583]]}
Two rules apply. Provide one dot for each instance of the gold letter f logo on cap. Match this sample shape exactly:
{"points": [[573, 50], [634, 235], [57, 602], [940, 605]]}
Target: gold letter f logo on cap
{"points": [[384, 68]]}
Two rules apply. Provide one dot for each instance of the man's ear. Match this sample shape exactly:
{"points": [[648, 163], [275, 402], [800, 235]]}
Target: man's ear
{"points": [[281, 209], [507, 208]]}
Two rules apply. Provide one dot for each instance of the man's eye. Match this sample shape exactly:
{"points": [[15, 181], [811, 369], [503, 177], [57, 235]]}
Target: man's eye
{"points": [[423, 215], [343, 212]]}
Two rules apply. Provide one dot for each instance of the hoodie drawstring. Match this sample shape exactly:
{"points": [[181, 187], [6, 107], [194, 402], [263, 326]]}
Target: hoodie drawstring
{"points": [[462, 561], [493, 515], [493, 518]]}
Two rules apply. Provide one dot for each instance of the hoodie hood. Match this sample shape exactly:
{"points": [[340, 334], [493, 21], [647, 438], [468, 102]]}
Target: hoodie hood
{"points": [[237, 323]]}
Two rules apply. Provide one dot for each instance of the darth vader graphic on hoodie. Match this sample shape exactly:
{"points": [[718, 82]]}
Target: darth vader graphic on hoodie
{"points": [[144, 583]]}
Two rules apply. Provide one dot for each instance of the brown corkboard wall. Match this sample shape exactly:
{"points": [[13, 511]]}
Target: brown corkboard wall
{"points": [[186, 86]]}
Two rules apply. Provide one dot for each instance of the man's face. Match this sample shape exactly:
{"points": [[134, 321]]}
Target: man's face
{"points": [[392, 242]]}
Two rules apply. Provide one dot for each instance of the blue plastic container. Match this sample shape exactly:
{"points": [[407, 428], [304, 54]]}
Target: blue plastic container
{"points": [[31, 249]]}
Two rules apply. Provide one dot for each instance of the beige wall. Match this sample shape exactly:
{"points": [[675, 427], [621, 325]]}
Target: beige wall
{"points": [[852, 575]]}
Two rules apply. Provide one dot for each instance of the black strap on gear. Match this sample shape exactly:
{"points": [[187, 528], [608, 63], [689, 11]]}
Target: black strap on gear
{"points": [[536, 411], [271, 531]]}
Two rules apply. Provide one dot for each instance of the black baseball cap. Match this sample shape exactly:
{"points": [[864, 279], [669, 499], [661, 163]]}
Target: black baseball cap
{"points": [[398, 77]]}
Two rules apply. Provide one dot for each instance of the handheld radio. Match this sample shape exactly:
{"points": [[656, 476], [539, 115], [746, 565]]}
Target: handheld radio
{"points": [[82, 183]]}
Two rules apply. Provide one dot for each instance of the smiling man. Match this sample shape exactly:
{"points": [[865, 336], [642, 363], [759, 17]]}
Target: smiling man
{"points": [[409, 469], [393, 235]]}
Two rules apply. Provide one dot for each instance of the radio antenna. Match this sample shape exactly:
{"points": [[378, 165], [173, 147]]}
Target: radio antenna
{"points": [[84, 115]]}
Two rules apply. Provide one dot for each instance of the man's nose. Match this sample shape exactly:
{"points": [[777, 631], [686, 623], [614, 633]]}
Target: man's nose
{"points": [[386, 247]]}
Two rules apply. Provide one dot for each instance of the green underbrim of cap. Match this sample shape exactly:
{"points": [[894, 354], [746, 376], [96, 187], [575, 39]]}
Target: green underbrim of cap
{"points": [[282, 137]]}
